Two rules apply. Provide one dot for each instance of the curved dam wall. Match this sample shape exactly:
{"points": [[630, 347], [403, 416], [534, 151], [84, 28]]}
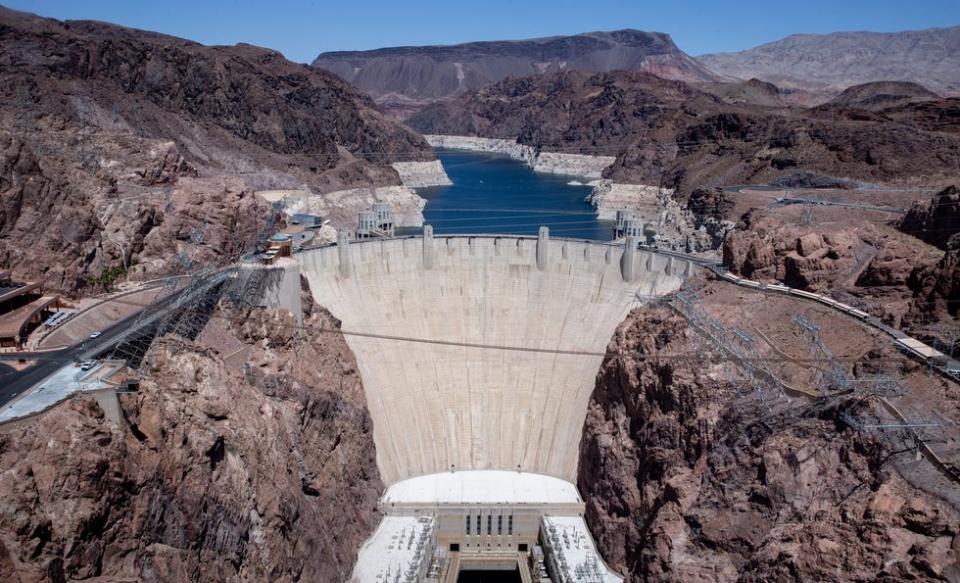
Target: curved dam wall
{"points": [[507, 336]]}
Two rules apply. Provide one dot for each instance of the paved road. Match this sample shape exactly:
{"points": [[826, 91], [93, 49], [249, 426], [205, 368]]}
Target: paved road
{"points": [[14, 383]]}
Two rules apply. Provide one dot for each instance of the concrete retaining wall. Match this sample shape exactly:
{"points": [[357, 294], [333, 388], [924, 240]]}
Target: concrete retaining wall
{"points": [[438, 405]]}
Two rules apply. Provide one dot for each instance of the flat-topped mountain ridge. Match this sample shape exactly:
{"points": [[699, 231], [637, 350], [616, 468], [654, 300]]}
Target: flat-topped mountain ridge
{"points": [[431, 72]]}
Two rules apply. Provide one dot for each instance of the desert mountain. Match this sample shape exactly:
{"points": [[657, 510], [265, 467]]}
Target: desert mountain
{"points": [[431, 72], [829, 63], [880, 95], [121, 146], [752, 91], [672, 134]]}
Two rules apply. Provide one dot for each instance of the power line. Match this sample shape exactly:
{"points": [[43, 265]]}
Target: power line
{"points": [[505, 347]]}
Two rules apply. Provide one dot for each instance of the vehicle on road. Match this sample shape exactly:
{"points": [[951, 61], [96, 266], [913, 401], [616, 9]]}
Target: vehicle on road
{"points": [[94, 335], [88, 365]]}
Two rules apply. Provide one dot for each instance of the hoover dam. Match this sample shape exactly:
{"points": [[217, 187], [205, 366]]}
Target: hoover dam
{"points": [[478, 356]]}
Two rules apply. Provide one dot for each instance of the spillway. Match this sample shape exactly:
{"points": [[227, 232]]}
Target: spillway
{"points": [[478, 356]]}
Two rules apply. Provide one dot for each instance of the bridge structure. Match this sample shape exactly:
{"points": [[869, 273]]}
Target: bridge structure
{"points": [[478, 355]]}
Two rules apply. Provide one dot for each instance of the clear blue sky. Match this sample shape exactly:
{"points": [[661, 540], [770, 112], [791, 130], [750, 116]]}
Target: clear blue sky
{"points": [[301, 29]]}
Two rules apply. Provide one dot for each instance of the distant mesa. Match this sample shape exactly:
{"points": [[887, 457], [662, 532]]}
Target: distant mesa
{"points": [[433, 72]]}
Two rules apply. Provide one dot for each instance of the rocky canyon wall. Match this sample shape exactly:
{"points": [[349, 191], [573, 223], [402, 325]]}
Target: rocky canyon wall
{"points": [[248, 456], [684, 480]]}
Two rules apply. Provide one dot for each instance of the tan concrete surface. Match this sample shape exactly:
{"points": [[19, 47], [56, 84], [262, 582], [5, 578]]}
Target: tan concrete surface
{"points": [[438, 407]]}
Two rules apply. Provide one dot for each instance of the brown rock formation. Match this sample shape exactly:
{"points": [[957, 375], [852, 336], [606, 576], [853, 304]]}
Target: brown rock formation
{"points": [[881, 95], [936, 287], [936, 221], [868, 263], [264, 472], [671, 134], [710, 203], [108, 133], [686, 481]]}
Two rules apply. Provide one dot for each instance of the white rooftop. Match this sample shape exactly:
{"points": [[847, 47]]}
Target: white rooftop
{"points": [[483, 487]]}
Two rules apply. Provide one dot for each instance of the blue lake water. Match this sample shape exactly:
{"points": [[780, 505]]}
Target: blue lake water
{"points": [[496, 194]]}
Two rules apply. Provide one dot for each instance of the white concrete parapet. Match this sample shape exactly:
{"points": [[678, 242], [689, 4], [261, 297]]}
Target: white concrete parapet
{"points": [[427, 246]]}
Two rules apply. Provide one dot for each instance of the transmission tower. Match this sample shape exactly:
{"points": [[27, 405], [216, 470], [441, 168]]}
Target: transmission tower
{"points": [[834, 377], [187, 302], [738, 345], [807, 218]]}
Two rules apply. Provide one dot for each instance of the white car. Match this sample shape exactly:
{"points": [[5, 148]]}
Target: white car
{"points": [[95, 335], [88, 365]]}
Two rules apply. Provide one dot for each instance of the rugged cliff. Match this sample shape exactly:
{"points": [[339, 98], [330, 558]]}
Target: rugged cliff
{"points": [[937, 287], [686, 481], [259, 470], [936, 221], [110, 132]]}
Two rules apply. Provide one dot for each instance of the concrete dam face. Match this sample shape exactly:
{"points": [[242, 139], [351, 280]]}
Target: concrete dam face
{"points": [[481, 352]]}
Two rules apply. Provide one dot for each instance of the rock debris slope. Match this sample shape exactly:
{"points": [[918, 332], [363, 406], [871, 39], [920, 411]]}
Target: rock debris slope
{"points": [[262, 470]]}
